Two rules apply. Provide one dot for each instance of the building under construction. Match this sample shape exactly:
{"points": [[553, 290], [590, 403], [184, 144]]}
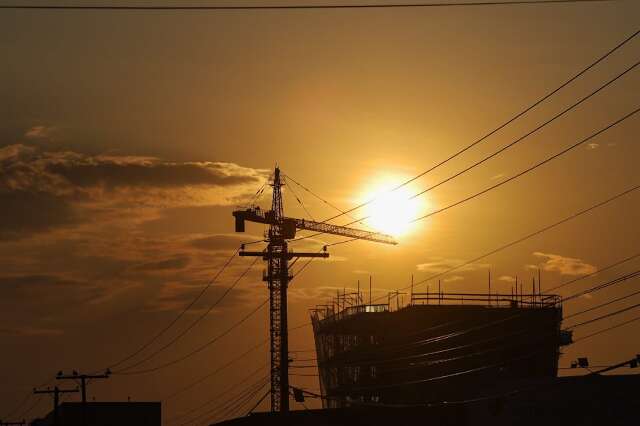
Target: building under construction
{"points": [[437, 347]]}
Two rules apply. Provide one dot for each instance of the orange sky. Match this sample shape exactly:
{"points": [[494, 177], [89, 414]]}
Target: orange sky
{"points": [[128, 138]]}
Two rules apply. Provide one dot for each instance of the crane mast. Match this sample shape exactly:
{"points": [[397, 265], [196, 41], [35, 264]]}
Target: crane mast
{"points": [[277, 256], [278, 279]]}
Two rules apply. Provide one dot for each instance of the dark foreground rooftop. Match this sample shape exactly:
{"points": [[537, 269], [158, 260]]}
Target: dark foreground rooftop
{"points": [[568, 401], [104, 414]]}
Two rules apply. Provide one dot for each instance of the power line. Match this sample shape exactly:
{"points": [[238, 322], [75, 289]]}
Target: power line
{"points": [[258, 403], [599, 287], [208, 343], [519, 174], [602, 305], [299, 200], [538, 232], [325, 201], [215, 398], [200, 348], [533, 234], [437, 339], [613, 265], [216, 371], [588, 336], [233, 402], [302, 6], [180, 315], [605, 316], [195, 322], [501, 126], [499, 151]]}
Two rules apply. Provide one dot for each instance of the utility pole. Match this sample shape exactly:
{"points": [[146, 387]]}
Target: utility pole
{"points": [[56, 399], [75, 376], [277, 256]]}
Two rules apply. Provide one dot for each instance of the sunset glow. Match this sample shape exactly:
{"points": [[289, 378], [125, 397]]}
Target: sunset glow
{"points": [[392, 212]]}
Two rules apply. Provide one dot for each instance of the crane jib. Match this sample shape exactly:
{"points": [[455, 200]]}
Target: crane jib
{"points": [[289, 226]]}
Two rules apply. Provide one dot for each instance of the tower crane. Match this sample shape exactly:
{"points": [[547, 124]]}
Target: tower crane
{"points": [[277, 255]]}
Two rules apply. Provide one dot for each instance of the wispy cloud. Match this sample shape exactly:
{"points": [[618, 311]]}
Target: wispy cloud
{"points": [[437, 265], [564, 265], [39, 132]]}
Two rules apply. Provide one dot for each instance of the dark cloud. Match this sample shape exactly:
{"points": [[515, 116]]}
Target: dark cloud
{"points": [[40, 191], [24, 213], [44, 290], [219, 242], [164, 265], [123, 174], [190, 220]]}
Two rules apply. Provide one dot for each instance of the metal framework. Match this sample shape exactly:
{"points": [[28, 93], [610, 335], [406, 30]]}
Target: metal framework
{"points": [[277, 256]]}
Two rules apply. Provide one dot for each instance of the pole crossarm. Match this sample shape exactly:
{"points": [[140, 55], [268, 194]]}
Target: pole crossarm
{"points": [[290, 255], [55, 390]]}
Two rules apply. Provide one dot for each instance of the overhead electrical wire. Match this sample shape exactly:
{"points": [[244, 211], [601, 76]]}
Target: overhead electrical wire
{"points": [[485, 367], [440, 338], [300, 6], [602, 286], [201, 347], [501, 126], [250, 376], [605, 316], [613, 327], [231, 402], [602, 305], [325, 201], [194, 322], [238, 407], [533, 234], [216, 371], [299, 200], [606, 268], [538, 232], [511, 178], [492, 155], [180, 315]]}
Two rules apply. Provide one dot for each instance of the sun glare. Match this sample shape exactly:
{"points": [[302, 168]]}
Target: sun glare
{"points": [[392, 212]]}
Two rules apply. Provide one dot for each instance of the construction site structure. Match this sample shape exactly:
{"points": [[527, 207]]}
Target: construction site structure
{"points": [[434, 347]]}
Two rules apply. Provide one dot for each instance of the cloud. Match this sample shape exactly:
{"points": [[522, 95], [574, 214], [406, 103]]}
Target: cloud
{"points": [[42, 190], [221, 242], [28, 331], [593, 145], [507, 278], [565, 265], [25, 212], [39, 132], [164, 265], [453, 278], [498, 176], [438, 265]]}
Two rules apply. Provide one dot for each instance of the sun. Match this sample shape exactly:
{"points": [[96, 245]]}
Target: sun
{"points": [[392, 211]]}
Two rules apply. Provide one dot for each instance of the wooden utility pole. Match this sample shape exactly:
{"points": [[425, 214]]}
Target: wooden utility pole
{"points": [[75, 376], [56, 399]]}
